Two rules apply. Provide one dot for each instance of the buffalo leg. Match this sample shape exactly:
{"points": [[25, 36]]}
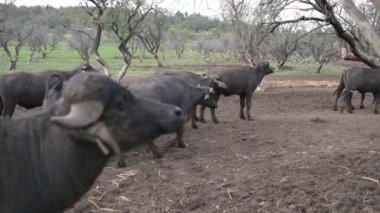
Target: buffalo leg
{"points": [[154, 149], [242, 105], [202, 114], [347, 96], [338, 94], [179, 138], [8, 110], [121, 161], [249, 103], [213, 116], [1, 106], [377, 102], [362, 100], [193, 115]]}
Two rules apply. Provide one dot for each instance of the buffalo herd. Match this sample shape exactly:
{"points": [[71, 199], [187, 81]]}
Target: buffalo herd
{"points": [[48, 160]]}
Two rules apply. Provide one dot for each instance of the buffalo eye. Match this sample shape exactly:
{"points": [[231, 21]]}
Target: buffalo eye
{"points": [[122, 101]]}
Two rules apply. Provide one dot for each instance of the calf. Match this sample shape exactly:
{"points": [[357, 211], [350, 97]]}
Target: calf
{"points": [[28, 89], [362, 80], [175, 91], [240, 80], [48, 161]]}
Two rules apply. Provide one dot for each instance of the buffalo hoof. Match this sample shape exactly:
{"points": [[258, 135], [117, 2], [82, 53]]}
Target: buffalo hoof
{"points": [[194, 126], [202, 120], [181, 145], [349, 111], [352, 108], [242, 117], [158, 155], [335, 108], [376, 111], [361, 107], [250, 119], [216, 121], [121, 163], [196, 118]]}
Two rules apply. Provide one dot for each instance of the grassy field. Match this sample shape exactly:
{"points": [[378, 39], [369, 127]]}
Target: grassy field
{"points": [[64, 58]]}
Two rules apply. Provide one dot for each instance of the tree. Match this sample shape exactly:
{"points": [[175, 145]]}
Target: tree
{"points": [[123, 19], [42, 42], [364, 25], [246, 22], [177, 40], [151, 33], [96, 13], [328, 12], [81, 40], [323, 47], [13, 29]]}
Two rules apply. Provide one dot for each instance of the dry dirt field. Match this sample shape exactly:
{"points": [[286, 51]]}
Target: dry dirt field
{"points": [[296, 156]]}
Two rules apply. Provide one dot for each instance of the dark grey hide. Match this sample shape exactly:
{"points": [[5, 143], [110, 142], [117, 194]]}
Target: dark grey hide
{"points": [[53, 90], [175, 91], [240, 80], [194, 79], [28, 89], [48, 161], [362, 80], [341, 87]]}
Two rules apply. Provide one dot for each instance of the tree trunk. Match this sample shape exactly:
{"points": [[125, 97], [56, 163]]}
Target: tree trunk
{"points": [[342, 33], [13, 64], [127, 57], [95, 48], [157, 59], [103, 63], [281, 62], [319, 68]]}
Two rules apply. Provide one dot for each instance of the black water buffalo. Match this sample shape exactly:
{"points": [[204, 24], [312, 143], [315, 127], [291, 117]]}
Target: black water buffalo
{"points": [[240, 80], [194, 79], [339, 90], [28, 89], [49, 160], [362, 80], [53, 90], [175, 91]]}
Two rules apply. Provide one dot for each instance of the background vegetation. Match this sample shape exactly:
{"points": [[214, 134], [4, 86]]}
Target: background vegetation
{"points": [[116, 36]]}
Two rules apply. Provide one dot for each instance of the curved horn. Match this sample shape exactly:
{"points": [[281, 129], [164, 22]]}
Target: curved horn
{"points": [[81, 114]]}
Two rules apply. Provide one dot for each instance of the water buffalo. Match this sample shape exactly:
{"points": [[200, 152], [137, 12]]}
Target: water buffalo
{"points": [[240, 80], [47, 161], [28, 89], [362, 80], [339, 90], [175, 91], [194, 79], [53, 90]]}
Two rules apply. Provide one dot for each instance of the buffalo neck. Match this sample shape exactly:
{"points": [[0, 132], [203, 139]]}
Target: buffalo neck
{"points": [[42, 167]]}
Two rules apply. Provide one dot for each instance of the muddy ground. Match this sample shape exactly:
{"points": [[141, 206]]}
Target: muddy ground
{"points": [[296, 156]]}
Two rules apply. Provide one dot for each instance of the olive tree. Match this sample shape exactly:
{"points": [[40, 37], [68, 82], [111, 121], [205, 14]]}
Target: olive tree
{"points": [[13, 30], [150, 33], [124, 18]]}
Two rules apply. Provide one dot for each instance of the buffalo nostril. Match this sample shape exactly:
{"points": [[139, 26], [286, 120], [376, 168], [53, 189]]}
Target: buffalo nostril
{"points": [[178, 111]]}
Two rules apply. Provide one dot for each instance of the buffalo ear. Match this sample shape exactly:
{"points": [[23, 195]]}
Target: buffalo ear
{"points": [[81, 114], [58, 87]]}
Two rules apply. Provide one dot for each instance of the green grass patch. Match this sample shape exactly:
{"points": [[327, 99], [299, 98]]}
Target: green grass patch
{"points": [[64, 58]]}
